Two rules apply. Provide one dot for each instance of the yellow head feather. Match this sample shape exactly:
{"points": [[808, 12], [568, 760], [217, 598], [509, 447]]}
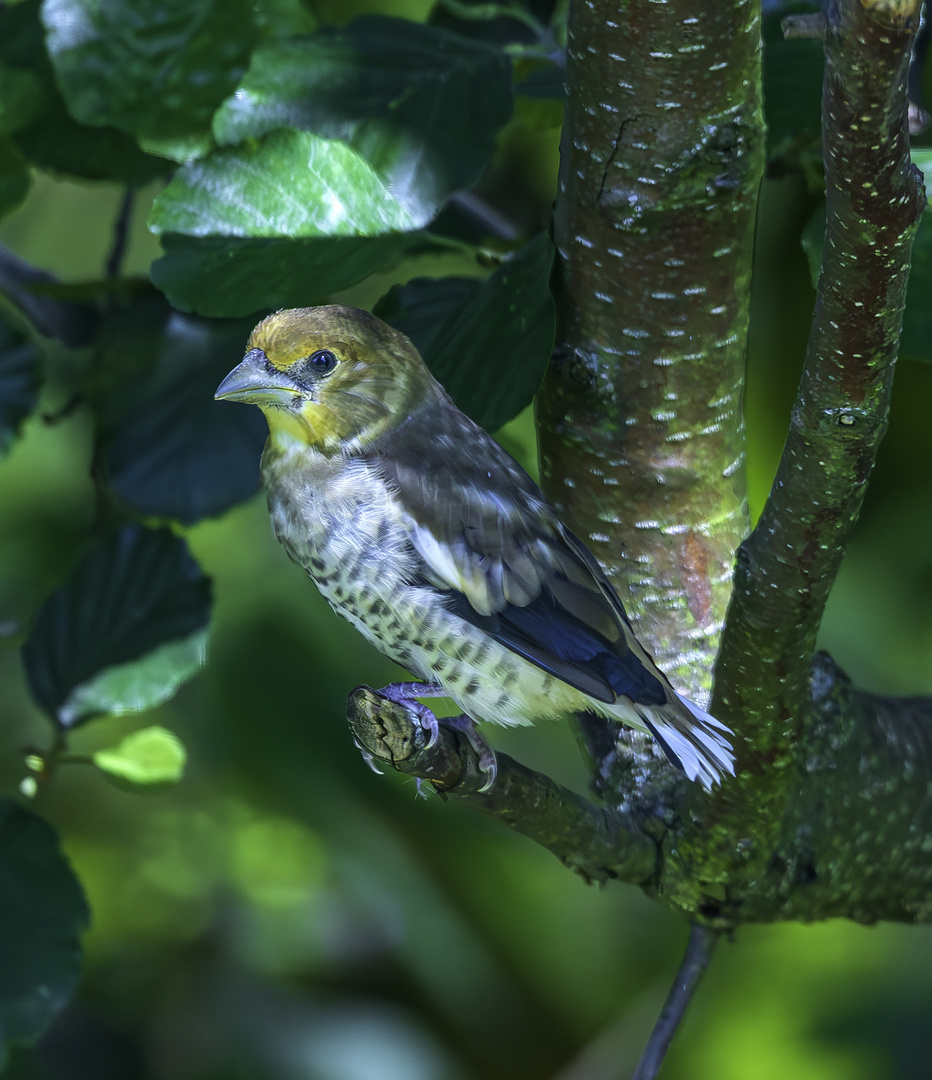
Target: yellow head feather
{"points": [[377, 380]]}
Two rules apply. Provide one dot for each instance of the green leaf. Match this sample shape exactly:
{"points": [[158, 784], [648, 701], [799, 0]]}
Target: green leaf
{"points": [[171, 450], [19, 383], [490, 353], [792, 77], [228, 276], [916, 337], [58, 144], [44, 132], [42, 916], [292, 184], [138, 685], [14, 178], [96, 644], [156, 69], [151, 757], [31, 292], [419, 308], [20, 98], [423, 105]]}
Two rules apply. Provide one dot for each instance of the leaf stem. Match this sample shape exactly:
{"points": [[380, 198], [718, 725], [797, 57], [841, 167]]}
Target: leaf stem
{"points": [[120, 235]]}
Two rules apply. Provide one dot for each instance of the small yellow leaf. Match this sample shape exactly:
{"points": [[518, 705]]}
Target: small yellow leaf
{"points": [[151, 756]]}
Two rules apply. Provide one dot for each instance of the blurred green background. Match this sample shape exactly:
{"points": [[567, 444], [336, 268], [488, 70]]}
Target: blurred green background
{"points": [[286, 914]]}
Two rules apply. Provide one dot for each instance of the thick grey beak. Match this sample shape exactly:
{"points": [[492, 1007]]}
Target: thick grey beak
{"points": [[255, 381]]}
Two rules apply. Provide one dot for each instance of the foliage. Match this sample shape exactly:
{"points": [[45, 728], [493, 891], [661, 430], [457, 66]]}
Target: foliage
{"points": [[295, 161]]}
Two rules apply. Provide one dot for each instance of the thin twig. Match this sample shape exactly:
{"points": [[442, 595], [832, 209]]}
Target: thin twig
{"points": [[699, 948], [120, 235]]}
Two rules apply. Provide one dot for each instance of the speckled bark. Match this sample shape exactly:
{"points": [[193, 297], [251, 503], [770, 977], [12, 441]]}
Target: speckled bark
{"points": [[830, 813], [640, 418], [787, 567]]}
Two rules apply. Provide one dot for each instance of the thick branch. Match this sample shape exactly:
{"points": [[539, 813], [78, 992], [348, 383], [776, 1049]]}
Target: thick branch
{"points": [[856, 833], [596, 843], [641, 434]]}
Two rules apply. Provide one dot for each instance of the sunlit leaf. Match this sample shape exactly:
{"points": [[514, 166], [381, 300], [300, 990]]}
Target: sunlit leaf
{"points": [[135, 593], [19, 381], [156, 69], [42, 916], [43, 130], [492, 346], [421, 104], [292, 184], [151, 757]]}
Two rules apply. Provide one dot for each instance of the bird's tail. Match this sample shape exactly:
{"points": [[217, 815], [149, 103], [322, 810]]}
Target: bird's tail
{"points": [[692, 739]]}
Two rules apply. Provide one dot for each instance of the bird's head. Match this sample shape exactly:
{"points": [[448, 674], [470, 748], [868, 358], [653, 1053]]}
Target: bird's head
{"points": [[332, 377]]}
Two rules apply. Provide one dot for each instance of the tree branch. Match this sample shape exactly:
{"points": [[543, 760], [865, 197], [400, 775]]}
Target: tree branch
{"points": [[595, 843], [640, 420], [699, 949], [786, 568]]}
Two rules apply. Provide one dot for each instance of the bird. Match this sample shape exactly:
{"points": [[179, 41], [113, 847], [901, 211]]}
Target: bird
{"points": [[423, 532]]}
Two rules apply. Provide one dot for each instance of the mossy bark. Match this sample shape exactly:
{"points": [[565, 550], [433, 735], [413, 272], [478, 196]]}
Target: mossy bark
{"points": [[830, 813]]}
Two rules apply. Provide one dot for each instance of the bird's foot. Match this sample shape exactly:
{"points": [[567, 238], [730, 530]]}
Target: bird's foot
{"points": [[403, 692], [407, 693], [488, 765]]}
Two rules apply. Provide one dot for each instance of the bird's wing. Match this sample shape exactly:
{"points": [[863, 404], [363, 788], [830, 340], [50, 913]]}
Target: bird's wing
{"points": [[495, 548]]}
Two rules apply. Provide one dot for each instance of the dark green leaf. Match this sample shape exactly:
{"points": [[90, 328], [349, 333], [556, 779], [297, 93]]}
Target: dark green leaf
{"points": [[916, 338], [19, 381], [58, 144], [792, 91], [99, 643], [491, 353], [42, 916], [156, 69], [423, 105], [224, 276], [14, 178], [60, 317], [419, 308], [45, 133], [547, 82], [20, 98], [171, 450]]}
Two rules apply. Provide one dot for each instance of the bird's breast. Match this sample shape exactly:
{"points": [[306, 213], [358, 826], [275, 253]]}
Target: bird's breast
{"points": [[336, 518]]}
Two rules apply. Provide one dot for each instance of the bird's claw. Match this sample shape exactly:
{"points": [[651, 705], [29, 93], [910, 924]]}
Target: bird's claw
{"points": [[368, 758], [485, 755], [406, 694]]}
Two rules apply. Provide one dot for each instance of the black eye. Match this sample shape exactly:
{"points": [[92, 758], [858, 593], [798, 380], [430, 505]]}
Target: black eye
{"points": [[322, 363]]}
